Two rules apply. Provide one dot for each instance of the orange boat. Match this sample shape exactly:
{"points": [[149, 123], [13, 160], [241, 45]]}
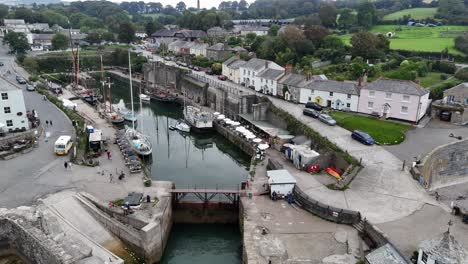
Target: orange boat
{"points": [[333, 172]]}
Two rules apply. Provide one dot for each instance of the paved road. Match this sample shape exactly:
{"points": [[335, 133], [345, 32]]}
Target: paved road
{"points": [[420, 141], [21, 180]]}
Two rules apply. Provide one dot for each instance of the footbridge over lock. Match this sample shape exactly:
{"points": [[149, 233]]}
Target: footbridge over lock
{"points": [[201, 206]]}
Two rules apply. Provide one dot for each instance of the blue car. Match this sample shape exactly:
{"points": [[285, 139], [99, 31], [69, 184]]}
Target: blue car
{"points": [[362, 137]]}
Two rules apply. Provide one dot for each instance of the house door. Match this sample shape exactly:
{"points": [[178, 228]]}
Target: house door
{"points": [[329, 103], [386, 110]]}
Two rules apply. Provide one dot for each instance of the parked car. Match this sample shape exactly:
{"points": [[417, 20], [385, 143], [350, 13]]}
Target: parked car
{"points": [[445, 116], [195, 68], [209, 72], [311, 112], [222, 78], [327, 119], [314, 106], [1, 63], [251, 87], [30, 88], [20, 79], [362, 137]]}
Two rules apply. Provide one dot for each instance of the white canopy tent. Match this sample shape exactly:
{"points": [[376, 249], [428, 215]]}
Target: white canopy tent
{"points": [[263, 146]]}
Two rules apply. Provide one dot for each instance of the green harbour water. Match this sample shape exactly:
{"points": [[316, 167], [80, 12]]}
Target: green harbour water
{"points": [[190, 160]]}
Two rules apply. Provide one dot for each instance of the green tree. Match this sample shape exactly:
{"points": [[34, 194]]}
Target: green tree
{"points": [[3, 11], [126, 32], [250, 37], [347, 19], [217, 68], [273, 31], [181, 6], [153, 26], [366, 14], [327, 14], [93, 38], [17, 41], [59, 41], [368, 45], [108, 36], [30, 65]]}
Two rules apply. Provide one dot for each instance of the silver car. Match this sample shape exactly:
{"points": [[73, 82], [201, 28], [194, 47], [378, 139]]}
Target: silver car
{"points": [[327, 119]]}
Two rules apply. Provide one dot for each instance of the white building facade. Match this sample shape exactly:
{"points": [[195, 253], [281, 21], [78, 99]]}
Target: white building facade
{"points": [[231, 69], [249, 71], [332, 94], [12, 108], [267, 81], [398, 99]]}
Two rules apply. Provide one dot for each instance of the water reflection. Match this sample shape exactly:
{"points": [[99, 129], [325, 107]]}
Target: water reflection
{"points": [[203, 160]]}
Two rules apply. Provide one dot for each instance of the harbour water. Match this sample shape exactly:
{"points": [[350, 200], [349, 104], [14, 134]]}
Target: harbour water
{"points": [[189, 160]]}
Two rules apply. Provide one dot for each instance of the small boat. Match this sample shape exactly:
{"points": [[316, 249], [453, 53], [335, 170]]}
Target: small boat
{"points": [[124, 112], [199, 121], [145, 98], [138, 142], [164, 97], [115, 118], [181, 126]]}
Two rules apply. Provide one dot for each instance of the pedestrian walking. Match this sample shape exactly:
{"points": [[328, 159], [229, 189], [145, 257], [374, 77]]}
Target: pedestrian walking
{"points": [[47, 122], [109, 155], [50, 122], [111, 178], [70, 165], [65, 165]]}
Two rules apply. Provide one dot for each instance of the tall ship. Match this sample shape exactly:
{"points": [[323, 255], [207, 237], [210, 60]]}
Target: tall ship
{"points": [[138, 141], [199, 121]]}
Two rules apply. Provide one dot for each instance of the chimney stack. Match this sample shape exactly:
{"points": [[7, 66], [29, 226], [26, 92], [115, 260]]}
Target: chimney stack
{"points": [[198, 4], [266, 64], [288, 68]]}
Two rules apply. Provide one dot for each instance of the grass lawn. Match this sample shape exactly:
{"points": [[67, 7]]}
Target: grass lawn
{"points": [[383, 132], [432, 78], [416, 13], [419, 38]]}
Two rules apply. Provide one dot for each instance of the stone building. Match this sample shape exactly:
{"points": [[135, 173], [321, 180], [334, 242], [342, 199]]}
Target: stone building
{"points": [[231, 68], [454, 106], [218, 52], [217, 32], [443, 249]]}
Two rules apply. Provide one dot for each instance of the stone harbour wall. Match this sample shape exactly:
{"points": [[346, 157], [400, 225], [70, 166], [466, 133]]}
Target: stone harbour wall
{"points": [[445, 165]]}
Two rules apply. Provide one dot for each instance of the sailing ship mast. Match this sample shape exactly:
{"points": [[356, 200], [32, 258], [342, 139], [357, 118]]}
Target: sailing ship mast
{"points": [[103, 89], [109, 94], [131, 89]]}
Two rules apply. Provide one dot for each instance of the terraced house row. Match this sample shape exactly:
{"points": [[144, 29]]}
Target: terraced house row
{"points": [[397, 99]]}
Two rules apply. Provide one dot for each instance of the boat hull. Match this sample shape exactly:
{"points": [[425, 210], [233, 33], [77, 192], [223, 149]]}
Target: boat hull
{"points": [[169, 100]]}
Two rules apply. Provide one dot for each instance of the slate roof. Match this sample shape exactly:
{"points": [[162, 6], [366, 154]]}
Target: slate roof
{"points": [[455, 88], [14, 22], [42, 36], [270, 74], [238, 49], [333, 86], [445, 249], [255, 64], [385, 254], [196, 45], [217, 30], [255, 29], [177, 44], [187, 33], [6, 85], [217, 47], [293, 79], [234, 63], [164, 33], [396, 86]]}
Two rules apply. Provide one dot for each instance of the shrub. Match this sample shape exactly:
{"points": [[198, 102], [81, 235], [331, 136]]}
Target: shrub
{"points": [[147, 183], [443, 77], [444, 67], [462, 74]]}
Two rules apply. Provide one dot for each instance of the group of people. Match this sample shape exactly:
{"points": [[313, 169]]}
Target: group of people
{"points": [[289, 197], [48, 122]]}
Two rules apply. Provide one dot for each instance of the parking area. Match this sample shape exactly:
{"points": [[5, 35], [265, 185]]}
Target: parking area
{"points": [[420, 141]]}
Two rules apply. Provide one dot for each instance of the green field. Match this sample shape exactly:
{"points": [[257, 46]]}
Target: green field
{"points": [[416, 13], [432, 78], [428, 39], [383, 132]]}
